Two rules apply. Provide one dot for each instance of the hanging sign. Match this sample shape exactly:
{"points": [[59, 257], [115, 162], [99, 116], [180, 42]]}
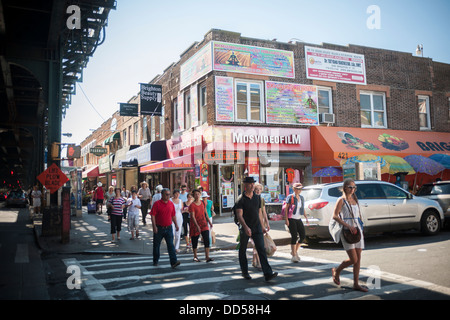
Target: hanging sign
{"points": [[151, 99]]}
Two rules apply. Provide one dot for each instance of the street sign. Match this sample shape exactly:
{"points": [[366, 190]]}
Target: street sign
{"points": [[53, 178]]}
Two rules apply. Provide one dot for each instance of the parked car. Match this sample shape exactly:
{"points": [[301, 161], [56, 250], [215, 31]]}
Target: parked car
{"points": [[384, 206], [16, 198], [439, 191]]}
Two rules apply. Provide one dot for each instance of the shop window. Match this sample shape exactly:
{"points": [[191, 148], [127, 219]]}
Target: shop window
{"points": [[325, 100], [373, 109], [424, 112], [249, 101]]}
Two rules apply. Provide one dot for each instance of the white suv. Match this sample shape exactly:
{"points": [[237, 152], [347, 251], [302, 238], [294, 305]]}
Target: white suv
{"points": [[384, 206]]}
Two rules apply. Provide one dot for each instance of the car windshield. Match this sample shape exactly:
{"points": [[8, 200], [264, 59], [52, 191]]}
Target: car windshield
{"points": [[430, 189], [16, 194], [311, 194]]}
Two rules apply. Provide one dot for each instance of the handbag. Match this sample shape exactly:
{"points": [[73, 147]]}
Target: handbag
{"points": [[348, 235], [335, 229]]}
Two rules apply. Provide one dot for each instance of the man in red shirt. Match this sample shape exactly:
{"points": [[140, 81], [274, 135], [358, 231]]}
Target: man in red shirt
{"points": [[163, 215]]}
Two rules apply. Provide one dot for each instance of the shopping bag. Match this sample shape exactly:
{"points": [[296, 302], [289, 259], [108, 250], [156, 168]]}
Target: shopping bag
{"points": [[269, 245]]}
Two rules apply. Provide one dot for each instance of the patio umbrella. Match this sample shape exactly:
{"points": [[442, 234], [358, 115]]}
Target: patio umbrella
{"points": [[424, 164], [367, 157], [328, 172], [442, 159], [397, 164]]}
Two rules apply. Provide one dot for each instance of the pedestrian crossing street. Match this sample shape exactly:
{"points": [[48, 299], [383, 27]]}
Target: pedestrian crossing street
{"points": [[135, 277]]}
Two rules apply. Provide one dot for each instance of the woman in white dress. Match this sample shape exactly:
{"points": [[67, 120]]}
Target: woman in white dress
{"points": [[348, 214], [179, 216]]}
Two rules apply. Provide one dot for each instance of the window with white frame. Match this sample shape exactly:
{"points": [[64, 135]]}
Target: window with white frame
{"points": [[136, 132], [202, 100], [125, 138], [144, 130], [424, 112], [373, 109], [187, 110], [162, 133], [325, 100], [249, 101], [175, 115]]}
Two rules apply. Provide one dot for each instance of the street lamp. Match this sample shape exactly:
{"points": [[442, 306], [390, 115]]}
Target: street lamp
{"points": [[68, 135]]}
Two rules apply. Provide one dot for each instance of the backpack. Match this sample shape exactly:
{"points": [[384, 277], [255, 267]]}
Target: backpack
{"points": [[283, 207]]}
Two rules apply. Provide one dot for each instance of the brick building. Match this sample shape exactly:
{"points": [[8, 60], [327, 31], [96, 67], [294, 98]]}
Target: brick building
{"points": [[237, 106]]}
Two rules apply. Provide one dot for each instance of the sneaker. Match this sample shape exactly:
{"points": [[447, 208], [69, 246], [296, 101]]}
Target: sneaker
{"points": [[270, 276], [176, 264]]}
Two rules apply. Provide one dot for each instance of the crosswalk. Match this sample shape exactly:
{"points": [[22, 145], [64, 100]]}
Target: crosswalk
{"points": [[135, 277]]}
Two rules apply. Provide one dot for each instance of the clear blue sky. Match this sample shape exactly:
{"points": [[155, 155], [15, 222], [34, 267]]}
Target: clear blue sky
{"points": [[144, 37]]}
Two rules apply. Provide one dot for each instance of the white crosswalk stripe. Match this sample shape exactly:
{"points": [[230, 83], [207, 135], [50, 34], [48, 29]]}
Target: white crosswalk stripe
{"points": [[137, 278]]}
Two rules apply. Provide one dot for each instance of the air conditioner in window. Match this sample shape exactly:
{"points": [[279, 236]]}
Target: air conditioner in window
{"points": [[326, 118]]}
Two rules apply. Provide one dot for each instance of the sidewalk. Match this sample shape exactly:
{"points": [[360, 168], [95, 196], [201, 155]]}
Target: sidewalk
{"points": [[91, 234]]}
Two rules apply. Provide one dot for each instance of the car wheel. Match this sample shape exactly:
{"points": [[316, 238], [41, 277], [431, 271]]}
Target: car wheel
{"points": [[430, 223]]}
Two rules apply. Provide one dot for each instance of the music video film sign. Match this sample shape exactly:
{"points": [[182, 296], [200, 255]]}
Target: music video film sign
{"points": [[336, 66]]}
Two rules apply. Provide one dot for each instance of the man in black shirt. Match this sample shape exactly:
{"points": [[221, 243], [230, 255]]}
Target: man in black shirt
{"points": [[248, 211]]}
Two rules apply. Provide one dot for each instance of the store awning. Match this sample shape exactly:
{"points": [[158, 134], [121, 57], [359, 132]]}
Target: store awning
{"points": [[112, 138], [91, 173], [184, 162], [330, 145]]}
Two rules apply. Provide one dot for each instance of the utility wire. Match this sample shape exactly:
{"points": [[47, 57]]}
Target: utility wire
{"points": [[79, 85]]}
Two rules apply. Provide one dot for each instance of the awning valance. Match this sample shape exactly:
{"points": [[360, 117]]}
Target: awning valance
{"points": [[184, 162], [91, 173], [330, 145], [112, 138]]}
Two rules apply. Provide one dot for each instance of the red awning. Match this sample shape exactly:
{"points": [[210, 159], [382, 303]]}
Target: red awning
{"points": [[184, 162], [91, 173]]}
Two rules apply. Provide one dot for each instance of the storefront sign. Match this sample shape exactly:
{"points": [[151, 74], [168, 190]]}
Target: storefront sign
{"points": [[222, 157], [239, 58], [224, 99], [129, 109], [291, 103], [336, 66], [151, 99], [98, 151], [256, 138], [344, 143]]}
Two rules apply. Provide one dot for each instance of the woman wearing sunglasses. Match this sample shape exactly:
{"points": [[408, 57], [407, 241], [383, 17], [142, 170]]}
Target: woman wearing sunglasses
{"points": [[348, 214]]}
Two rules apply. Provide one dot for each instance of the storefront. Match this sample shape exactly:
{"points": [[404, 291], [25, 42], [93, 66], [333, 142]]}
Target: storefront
{"points": [[140, 157], [275, 157], [334, 146]]}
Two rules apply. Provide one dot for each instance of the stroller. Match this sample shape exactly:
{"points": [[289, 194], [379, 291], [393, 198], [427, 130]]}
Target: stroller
{"points": [[92, 207]]}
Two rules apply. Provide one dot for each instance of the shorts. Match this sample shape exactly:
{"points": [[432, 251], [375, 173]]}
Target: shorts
{"points": [[99, 201], [133, 222]]}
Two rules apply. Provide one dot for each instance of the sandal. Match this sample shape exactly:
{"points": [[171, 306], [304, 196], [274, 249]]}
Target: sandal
{"points": [[336, 280], [196, 260], [209, 260]]}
